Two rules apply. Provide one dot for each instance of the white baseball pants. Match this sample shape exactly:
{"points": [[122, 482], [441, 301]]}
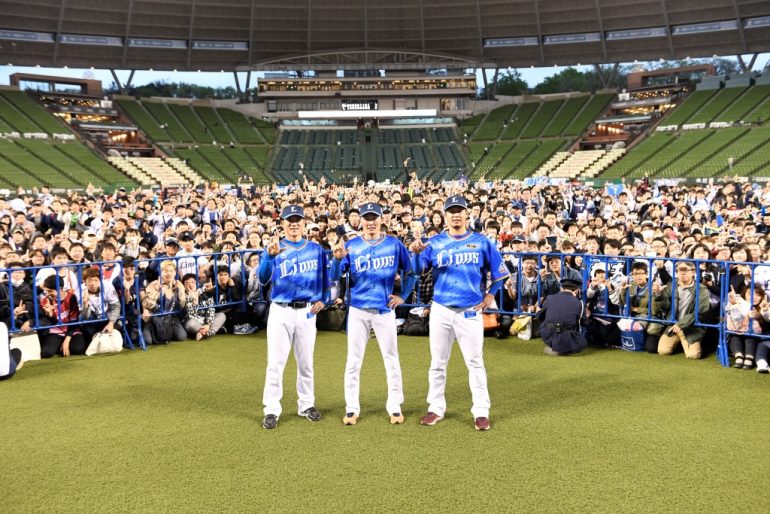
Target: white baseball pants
{"points": [[467, 326], [287, 327], [360, 322]]}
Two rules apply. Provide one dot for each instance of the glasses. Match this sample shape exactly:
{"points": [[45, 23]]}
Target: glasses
{"points": [[684, 270]]}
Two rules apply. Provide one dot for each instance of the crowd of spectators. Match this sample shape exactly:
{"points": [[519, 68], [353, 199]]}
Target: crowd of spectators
{"points": [[182, 263]]}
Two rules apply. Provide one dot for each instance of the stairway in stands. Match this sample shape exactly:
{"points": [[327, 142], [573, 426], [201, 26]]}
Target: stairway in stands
{"points": [[156, 171]]}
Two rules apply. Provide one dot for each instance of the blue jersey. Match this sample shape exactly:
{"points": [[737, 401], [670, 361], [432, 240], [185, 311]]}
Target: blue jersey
{"points": [[372, 268], [299, 273], [460, 266]]}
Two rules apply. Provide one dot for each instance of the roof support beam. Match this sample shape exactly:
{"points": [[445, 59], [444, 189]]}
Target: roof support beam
{"points": [[601, 29], [58, 33], [607, 79], [190, 34], [493, 87], [539, 34], [127, 32], [668, 29], [740, 25], [746, 67]]}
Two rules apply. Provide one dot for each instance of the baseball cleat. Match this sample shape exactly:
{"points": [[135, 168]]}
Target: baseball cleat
{"points": [[482, 424], [430, 419], [396, 418], [311, 413], [350, 419], [270, 421]]}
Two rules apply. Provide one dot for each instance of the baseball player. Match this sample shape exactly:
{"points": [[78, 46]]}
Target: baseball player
{"points": [[297, 269], [461, 260], [372, 262]]}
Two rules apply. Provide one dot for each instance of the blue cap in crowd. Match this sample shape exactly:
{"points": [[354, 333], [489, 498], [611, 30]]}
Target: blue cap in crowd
{"points": [[455, 201], [292, 210], [370, 208]]}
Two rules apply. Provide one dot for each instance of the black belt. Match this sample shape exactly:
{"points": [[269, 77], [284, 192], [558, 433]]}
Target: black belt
{"points": [[293, 305], [559, 327]]}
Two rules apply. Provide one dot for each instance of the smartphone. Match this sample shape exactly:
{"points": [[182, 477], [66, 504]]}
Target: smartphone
{"points": [[551, 241], [650, 254]]}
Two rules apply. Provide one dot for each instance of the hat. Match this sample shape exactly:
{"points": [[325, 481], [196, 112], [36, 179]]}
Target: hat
{"points": [[292, 210], [517, 239], [171, 241], [18, 229], [370, 208], [647, 223], [572, 282], [89, 233], [516, 205], [187, 236], [313, 226], [455, 201]]}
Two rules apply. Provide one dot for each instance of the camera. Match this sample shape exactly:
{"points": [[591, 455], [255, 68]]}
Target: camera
{"points": [[708, 276]]}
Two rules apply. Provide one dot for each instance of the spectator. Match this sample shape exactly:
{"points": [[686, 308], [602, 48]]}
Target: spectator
{"points": [[683, 332], [101, 305], [162, 305], [747, 315], [201, 319], [60, 310]]}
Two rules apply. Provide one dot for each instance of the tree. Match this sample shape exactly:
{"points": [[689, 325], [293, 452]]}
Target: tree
{"points": [[510, 83], [567, 80]]}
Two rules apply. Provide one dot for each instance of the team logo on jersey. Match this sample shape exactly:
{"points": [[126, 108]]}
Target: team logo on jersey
{"points": [[471, 246], [447, 258], [502, 268], [366, 262], [291, 267]]}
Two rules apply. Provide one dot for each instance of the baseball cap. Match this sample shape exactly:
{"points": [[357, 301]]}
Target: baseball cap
{"points": [[516, 205], [313, 226], [455, 201], [571, 282], [292, 210], [517, 239], [370, 208], [89, 233], [171, 241], [187, 236]]}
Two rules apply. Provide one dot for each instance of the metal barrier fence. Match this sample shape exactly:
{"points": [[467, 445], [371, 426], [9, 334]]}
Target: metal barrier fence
{"points": [[533, 276]]}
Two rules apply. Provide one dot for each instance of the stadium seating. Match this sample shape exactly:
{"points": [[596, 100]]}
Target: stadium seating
{"points": [[593, 108], [107, 174], [761, 114], [541, 118], [143, 120], [518, 153], [35, 112], [717, 104], [537, 157], [519, 120], [552, 163], [491, 159], [47, 153], [15, 119], [266, 129], [565, 115], [202, 165], [690, 106], [683, 143], [243, 131], [469, 125], [192, 124], [493, 124], [748, 150], [18, 161], [745, 104], [217, 128], [640, 154], [603, 162], [163, 116], [688, 162]]}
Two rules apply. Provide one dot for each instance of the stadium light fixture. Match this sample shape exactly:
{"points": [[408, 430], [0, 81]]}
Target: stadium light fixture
{"points": [[150, 69]]}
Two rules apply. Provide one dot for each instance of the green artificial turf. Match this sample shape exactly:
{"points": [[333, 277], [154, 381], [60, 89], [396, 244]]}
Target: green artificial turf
{"points": [[178, 428]]}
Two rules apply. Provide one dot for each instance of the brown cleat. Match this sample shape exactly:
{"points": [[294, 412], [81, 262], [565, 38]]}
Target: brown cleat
{"points": [[396, 418], [350, 419], [430, 419], [482, 424]]}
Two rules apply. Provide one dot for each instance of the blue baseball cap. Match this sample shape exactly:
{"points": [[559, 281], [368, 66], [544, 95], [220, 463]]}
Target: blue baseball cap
{"points": [[455, 201], [370, 208], [292, 210]]}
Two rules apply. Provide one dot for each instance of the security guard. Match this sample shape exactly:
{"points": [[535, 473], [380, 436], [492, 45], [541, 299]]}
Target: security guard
{"points": [[560, 318]]}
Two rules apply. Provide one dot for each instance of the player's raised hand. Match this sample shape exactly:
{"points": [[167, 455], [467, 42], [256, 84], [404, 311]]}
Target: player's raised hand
{"points": [[339, 250], [417, 246], [394, 301], [274, 248]]}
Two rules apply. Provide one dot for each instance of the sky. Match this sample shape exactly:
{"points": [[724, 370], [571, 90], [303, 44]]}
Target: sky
{"points": [[533, 76]]}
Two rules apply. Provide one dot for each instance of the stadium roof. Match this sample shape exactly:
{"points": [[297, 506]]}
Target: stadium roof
{"points": [[373, 34]]}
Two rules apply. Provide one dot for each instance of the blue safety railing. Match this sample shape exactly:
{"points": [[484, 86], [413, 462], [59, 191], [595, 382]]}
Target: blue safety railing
{"points": [[532, 278]]}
